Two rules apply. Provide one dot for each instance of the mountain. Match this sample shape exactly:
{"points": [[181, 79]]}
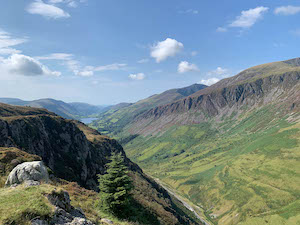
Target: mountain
{"points": [[232, 149], [85, 109], [116, 117], [75, 154], [73, 110]]}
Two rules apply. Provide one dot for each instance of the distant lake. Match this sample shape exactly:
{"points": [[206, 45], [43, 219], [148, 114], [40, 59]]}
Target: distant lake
{"points": [[88, 120]]}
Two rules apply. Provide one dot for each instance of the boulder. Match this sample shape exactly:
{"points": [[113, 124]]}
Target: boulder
{"points": [[28, 171], [106, 221]]}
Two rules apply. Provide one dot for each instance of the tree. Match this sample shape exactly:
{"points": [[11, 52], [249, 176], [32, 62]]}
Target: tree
{"points": [[115, 185]]}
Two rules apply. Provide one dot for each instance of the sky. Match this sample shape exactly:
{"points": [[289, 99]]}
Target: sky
{"points": [[105, 52]]}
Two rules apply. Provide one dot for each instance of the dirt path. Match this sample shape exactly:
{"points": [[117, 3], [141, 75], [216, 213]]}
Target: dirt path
{"points": [[187, 205]]}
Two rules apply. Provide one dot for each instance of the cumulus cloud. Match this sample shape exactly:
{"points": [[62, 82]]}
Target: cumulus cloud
{"points": [[185, 66], [138, 76], [47, 10], [25, 65], [209, 81], [249, 17], [287, 10], [7, 42], [164, 49]]}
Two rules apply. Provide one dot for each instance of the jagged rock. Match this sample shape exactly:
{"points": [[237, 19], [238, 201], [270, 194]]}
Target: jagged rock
{"points": [[64, 212], [106, 221], [34, 171]]}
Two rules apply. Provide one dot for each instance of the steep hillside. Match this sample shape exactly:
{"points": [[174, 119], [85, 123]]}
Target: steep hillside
{"points": [[77, 153], [73, 110], [115, 118], [233, 148]]}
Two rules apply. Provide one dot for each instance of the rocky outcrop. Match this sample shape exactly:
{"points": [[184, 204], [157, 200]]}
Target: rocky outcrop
{"points": [[31, 172], [62, 145], [224, 98], [64, 212]]}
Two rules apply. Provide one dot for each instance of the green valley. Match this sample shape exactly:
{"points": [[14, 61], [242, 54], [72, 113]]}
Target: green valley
{"points": [[232, 149]]}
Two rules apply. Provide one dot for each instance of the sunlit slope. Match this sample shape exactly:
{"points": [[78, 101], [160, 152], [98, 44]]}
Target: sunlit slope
{"points": [[232, 148], [237, 170], [113, 120]]}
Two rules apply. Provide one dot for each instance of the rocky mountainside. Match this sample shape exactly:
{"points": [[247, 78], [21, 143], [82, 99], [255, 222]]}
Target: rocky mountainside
{"points": [[117, 117], [77, 153], [270, 83], [232, 148], [67, 110]]}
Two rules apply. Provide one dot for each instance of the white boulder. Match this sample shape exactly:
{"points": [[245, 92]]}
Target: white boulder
{"points": [[28, 171]]}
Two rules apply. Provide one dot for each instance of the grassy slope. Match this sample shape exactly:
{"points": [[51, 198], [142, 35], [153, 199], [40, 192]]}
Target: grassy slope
{"points": [[112, 121], [245, 170]]}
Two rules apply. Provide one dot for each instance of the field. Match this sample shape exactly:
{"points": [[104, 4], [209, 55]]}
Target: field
{"points": [[241, 170]]}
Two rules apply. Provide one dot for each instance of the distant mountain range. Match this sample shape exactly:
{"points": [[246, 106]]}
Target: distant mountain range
{"points": [[232, 149], [73, 110], [114, 118]]}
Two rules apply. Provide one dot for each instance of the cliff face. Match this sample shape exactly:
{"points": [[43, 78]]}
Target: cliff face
{"points": [[63, 146], [230, 95], [78, 153]]}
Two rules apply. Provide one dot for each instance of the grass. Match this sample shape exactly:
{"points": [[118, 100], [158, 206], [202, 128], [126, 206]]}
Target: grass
{"points": [[19, 205], [244, 170]]}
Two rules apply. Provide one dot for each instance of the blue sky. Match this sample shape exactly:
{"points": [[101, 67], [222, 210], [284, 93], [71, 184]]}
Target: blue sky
{"points": [[111, 51]]}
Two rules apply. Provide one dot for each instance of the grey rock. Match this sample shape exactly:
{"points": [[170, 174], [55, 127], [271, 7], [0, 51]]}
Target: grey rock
{"points": [[29, 183], [34, 171], [106, 221], [80, 221], [39, 222]]}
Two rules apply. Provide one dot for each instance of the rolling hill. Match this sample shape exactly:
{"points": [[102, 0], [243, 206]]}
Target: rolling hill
{"points": [[233, 148], [112, 120], [73, 110]]}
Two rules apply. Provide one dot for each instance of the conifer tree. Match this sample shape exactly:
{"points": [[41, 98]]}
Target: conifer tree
{"points": [[115, 185]]}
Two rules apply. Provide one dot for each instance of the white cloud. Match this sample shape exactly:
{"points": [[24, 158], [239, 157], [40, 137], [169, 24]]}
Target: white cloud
{"points": [[115, 66], [164, 49], [249, 17], [70, 3], [221, 29], [9, 51], [143, 61], [138, 76], [287, 10], [185, 66], [56, 56], [219, 71], [26, 66], [84, 73], [209, 81], [7, 42], [49, 11], [77, 68]]}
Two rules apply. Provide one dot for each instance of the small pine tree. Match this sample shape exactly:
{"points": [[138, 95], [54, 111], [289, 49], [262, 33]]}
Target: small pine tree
{"points": [[115, 185]]}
